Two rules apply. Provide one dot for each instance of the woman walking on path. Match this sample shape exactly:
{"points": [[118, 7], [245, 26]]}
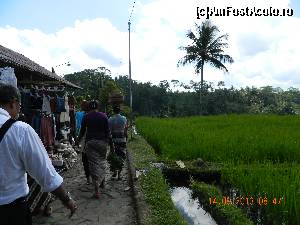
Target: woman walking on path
{"points": [[95, 124], [118, 127], [79, 116]]}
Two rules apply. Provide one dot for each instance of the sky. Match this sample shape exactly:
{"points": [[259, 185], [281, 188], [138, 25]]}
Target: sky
{"points": [[94, 33]]}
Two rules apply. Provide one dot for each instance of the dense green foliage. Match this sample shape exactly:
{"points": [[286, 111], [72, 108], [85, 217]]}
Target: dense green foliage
{"points": [[162, 99], [260, 154], [91, 80], [96, 84], [232, 138]]}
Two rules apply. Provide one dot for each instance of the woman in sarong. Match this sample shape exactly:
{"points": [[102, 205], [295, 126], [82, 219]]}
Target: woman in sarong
{"points": [[98, 136], [118, 126]]}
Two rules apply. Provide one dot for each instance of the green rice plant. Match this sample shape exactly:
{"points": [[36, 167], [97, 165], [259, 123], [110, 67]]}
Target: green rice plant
{"points": [[279, 184], [260, 154], [231, 138]]}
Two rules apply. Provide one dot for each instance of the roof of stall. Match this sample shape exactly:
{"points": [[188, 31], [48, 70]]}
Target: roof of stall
{"points": [[27, 70]]}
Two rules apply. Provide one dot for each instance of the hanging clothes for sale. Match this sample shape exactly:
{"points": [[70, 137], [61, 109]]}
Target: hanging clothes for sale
{"points": [[47, 135], [46, 105], [7, 76], [58, 134], [25, 101], [71, 102], [36, 123], [78, 119], [65, 116], [54, 125], [60, 104], [36, 100], [53, 104]]}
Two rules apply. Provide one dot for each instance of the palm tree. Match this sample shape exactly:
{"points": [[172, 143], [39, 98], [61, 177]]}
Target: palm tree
{"points": [[207, 47]]}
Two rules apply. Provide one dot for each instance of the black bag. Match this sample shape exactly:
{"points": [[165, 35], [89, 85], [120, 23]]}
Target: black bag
{"points": [[5, 127]]}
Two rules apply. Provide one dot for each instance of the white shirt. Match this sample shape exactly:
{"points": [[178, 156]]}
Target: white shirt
{"points": [[22, 150]]}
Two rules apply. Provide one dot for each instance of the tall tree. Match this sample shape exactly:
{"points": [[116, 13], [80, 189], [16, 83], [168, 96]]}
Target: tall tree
{"points": [[91, 80], [206, 47]]}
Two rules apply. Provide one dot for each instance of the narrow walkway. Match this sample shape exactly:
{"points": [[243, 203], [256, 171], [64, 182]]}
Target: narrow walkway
{"points": [[115, 205]]}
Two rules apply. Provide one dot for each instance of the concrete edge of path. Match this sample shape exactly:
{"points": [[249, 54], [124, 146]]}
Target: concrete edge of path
{"points": [[140, 205]]}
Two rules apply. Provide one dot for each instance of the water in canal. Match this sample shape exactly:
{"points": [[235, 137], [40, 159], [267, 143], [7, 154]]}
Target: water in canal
{"points": [[190, 208]]}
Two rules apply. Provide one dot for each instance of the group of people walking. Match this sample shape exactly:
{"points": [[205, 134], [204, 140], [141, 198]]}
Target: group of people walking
{"points": [[98, 132], [22, 151]]}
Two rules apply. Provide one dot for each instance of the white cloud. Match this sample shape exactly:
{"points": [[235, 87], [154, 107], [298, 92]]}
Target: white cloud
{"points": [[74, 44], [264, 48]]}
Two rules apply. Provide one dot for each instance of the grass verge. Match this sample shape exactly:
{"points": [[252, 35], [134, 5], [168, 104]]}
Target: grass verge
{"points": [[153, 185]]}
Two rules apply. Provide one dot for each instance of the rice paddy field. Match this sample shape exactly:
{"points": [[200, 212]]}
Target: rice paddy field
{"points": [[259, 154]]}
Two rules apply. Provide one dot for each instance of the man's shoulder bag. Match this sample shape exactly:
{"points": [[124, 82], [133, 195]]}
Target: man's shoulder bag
{"points": [[5, 127]]}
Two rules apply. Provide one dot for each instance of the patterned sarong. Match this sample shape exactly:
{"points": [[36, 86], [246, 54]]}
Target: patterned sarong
{"points": [[96, 153], [120, 149]]}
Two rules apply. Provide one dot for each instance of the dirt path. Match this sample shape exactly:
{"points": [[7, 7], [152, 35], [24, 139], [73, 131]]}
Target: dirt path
{"points": [[115, 205]]}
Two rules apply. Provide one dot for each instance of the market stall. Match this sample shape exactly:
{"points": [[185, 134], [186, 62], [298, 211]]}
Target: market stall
{"points": [[48, 108]]}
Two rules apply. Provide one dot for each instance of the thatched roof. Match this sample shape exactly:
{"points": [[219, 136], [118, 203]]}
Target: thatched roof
{"points": [[27, 69]]}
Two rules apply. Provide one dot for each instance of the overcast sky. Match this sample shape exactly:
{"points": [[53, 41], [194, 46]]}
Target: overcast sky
{"points": [[94, 33]]}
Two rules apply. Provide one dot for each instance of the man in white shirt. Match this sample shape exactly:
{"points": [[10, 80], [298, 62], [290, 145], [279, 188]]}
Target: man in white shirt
{"points": [[21, 151]]}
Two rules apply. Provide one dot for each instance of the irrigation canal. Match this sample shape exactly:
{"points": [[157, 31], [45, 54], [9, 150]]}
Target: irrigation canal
{"points": [[190, 208]]}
